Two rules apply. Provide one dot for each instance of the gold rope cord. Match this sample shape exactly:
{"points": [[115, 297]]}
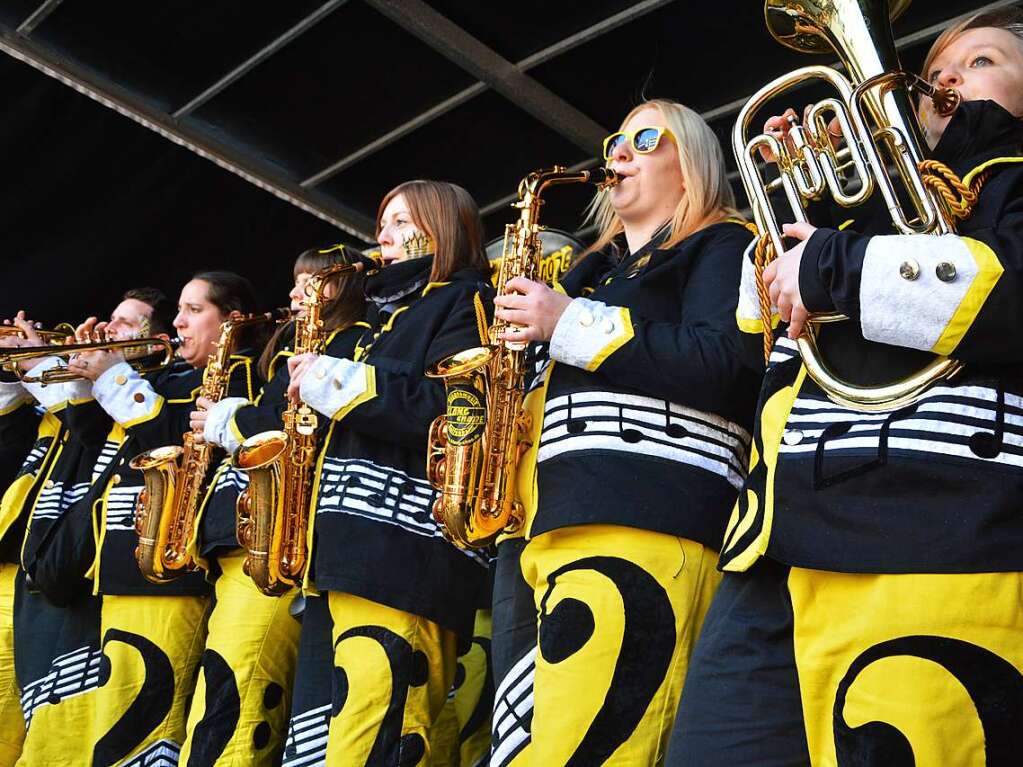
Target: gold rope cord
{"points": [[935, 175]]}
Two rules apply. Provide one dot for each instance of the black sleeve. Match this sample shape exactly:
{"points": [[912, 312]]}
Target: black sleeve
{"points": [[972, 314]]}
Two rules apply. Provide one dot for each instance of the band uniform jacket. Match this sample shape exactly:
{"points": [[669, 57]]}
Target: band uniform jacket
{"points": [[29, 439], [375, 533], [96, 538], [641, 396], [935, 486], [219, 519]]}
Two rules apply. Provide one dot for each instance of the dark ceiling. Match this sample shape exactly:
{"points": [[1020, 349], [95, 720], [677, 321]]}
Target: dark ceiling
{"points": [[327, 105]]}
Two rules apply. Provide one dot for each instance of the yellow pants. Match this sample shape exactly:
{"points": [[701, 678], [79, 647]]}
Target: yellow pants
{"points": [[910, 669], [151, 648], [619, 610], [239, 714], [12, 723], [461, 735], [392, 672]]}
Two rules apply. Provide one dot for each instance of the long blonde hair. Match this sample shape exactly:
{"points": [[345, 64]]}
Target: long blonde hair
{"points": [[708, 197]]}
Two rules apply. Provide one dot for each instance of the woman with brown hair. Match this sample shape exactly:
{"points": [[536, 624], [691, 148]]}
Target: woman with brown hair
{"points": [[239, 713], [640, 410], [394, 595]]}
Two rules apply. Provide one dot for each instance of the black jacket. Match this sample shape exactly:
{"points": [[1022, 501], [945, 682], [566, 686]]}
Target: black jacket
{"points": [[647, 404], [934, 486], [375, 534]]}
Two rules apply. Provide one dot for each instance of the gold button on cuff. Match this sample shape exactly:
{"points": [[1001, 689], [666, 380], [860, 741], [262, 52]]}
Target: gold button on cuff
{"points": [[945, 271], [321, 374], [140, 397], [120, 379], [585, 319], [909, 269]]}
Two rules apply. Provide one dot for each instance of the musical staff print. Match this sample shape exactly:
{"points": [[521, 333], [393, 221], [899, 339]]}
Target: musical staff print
{"points": [[513, 711], [630, 423], [163, 753], [54, 500], [306, 743], [121, 508], [971, 423], [383, 494], [71, 674], [34, 460]]}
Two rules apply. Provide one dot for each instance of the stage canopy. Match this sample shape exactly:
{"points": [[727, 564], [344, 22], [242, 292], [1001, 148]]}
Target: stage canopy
{"points": [[143, 141]]}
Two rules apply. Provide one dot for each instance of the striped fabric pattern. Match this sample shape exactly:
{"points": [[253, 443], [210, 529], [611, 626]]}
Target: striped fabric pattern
{"points": [[306, 743], [70, 674], [633, 424], [513, 711]]}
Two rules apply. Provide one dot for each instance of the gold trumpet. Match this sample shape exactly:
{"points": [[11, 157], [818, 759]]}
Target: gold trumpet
{"points": [[60, 333], [873, 107], [136, 350]]}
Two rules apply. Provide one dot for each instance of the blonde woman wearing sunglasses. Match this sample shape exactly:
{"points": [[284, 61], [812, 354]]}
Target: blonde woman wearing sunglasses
{"points": [[641, 413]]}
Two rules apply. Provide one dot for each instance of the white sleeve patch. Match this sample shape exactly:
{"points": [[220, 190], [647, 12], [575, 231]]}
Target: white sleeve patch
{"points": [[912, 286], [218, 423], [12, 395], [588, 332], [126, 396], [333, 384], [48, 395]]}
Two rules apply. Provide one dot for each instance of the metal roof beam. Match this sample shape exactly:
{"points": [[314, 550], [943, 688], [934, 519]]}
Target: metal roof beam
{"points": [[259, 57], [37, 17], [457, 45], [733, 107], [562, 46], [120, 100]]}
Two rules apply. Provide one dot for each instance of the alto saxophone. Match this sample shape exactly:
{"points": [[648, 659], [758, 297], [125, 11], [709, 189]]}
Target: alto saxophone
{"points": [[473, 450], [175, 476], [273, 511]]}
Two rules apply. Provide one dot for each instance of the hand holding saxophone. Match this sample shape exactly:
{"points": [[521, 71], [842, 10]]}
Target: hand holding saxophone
{"points": [[298, 365], [197, 418], [532, 308], [781, 278]]}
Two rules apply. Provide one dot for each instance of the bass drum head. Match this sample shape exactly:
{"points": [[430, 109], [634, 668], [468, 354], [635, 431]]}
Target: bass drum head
{"points": [[560, 250]]}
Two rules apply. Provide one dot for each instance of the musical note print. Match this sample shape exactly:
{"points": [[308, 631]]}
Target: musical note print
{"points": [[634, 424]]}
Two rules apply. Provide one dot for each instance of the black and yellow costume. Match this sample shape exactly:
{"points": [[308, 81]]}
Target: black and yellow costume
{"points": [[640, 413], [56, 648], [397, 594], [23, 454], [240, 711], [151, 635], [874, 558]]}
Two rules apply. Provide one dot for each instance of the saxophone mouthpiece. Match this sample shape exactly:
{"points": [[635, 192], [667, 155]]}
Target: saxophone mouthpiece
{"points": [[946, 101], [604, 178]]}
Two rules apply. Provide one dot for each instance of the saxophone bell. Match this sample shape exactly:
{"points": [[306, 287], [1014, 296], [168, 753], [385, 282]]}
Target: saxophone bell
{"points": [[259, 513], [153, 512]]}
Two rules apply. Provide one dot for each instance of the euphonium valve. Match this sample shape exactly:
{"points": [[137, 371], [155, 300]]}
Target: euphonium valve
{"points": [[874, 111]]}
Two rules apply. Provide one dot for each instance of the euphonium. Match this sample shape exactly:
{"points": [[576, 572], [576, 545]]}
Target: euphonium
{"points": [[874, 110], [175, 476], [473, 450], [273, 511]]}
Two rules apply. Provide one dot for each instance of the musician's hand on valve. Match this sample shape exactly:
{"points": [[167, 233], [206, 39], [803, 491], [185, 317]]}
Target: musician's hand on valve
{"points": [[781, 278], [91, 365], [532, 308], [28, 329], [298, 366]]}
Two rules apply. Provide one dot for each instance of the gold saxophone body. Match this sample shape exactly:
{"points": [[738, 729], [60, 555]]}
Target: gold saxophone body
{"points": [[473, 450], [273, 511], [884, 152], [175, 476]]}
